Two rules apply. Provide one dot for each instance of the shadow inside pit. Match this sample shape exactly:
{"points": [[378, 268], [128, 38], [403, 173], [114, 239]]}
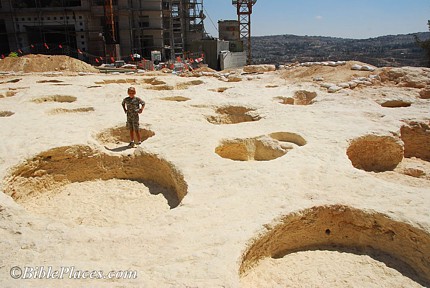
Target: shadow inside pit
{"points": [[169, 194], [392, 262]]}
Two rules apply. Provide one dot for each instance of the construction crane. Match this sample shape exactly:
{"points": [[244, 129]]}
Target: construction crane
{"points": [[244, 11], [109, 38]]}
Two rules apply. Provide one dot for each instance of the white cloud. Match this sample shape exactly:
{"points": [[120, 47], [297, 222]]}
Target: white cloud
{"points": [[318, 18]]}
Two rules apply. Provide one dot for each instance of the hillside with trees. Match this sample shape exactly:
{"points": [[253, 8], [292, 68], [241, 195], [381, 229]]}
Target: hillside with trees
{"points": [[391, 50]]}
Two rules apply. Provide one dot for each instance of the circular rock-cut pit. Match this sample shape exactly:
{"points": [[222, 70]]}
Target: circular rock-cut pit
{"points": [[375, 153], [6, 113], [74, 110], [9, 93], [263, 148], [56, 98], [50, 81], [416, 136], [301, 97], [396, 104], [121, 134], [328, 240], [79, 185], [117, 81], [153, 81], [233, 115], [176, 98], [185, 85], [160, 87], [220, 89]]}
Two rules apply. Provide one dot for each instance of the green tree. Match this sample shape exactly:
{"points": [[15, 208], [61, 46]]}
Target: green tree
{"points": [[425, 44]]}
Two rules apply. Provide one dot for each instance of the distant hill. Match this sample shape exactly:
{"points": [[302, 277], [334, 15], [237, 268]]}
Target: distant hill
{"points": [[391, 50]]}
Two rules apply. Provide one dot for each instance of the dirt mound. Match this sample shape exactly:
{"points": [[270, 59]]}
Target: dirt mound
{"points": [[45, 63], [336, 74]]}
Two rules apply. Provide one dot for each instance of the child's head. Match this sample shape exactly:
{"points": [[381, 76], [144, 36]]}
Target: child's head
{"points": [[131, 91]]}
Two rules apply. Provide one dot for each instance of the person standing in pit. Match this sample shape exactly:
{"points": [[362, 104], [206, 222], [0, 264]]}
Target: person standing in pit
{"points": [[133, 106]]}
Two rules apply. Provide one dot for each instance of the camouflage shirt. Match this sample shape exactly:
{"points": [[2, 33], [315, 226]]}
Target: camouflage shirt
{"points": [[132, 105]]}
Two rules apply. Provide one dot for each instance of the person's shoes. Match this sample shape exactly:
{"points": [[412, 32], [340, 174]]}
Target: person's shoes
{"points": [[131, 144], [140, 142]]}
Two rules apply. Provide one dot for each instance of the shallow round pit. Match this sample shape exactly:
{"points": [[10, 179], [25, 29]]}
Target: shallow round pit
{"points": [[56, 98], [185, 85], [153, 81], [50, 81], [396, 104], [117, 81], [74, 110], [11, 81], [176, 98], [288, 137], [220, 89], [328, 239], [416, 136], [301, 97], [262, 148], [233, 115], [160, 87], [120, 135], [9, 93], [375, 153], [6, 113], [96, 183]]}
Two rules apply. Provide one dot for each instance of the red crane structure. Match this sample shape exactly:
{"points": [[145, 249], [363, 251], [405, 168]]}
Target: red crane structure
{"points": [[110, 33], [244, 11]]}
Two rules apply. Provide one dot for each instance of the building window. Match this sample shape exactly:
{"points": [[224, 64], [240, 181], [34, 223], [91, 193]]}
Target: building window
{"points": [[102, 2], [143, 21], [45, 4]]}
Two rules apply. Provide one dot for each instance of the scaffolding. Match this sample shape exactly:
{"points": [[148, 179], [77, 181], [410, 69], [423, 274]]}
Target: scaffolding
{"points": [[195, 16], [183, 23], [111, 28]]}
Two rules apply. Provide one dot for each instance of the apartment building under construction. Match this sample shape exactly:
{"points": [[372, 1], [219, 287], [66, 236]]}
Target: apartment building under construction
{"points": [[113, 29]]}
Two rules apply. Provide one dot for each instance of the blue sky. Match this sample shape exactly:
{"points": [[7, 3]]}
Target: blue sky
{"points": [[358, 19]]}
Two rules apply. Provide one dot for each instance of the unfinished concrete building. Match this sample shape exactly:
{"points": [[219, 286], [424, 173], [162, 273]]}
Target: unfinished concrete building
{"points": [[113, 29]]}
